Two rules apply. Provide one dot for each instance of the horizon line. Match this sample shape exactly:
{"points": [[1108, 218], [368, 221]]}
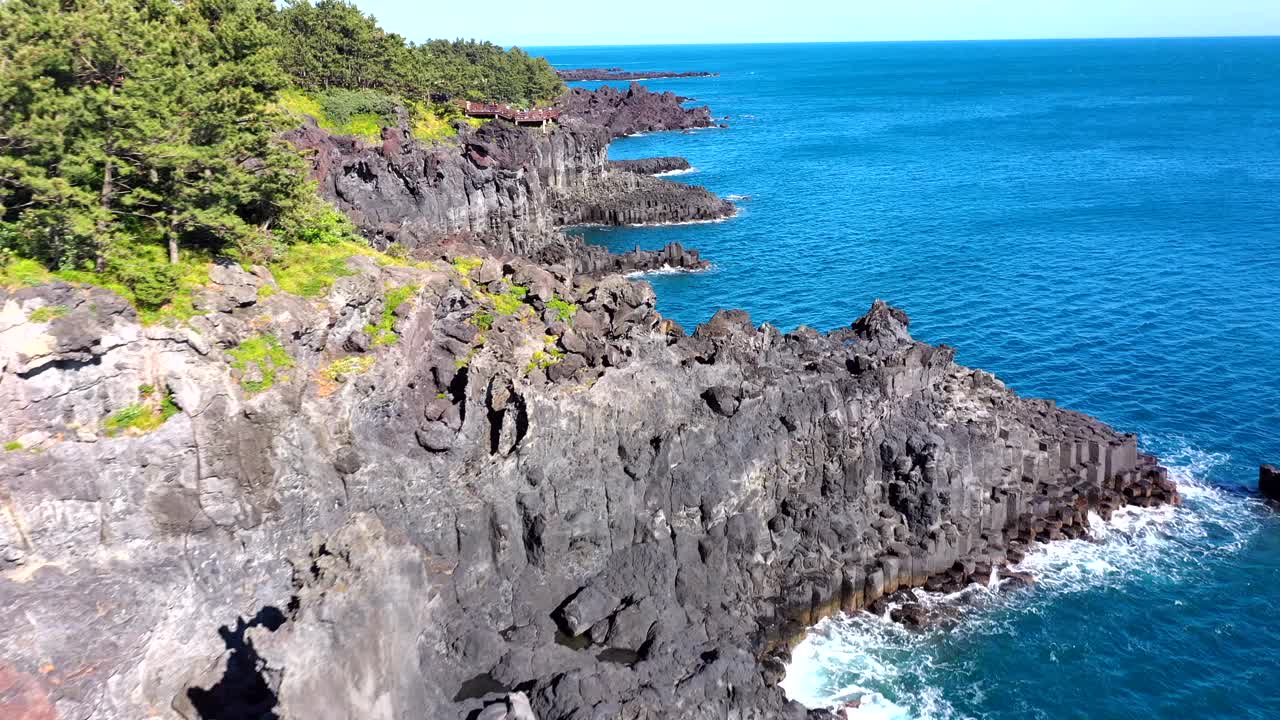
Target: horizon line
{"points": [[1241, 36]]}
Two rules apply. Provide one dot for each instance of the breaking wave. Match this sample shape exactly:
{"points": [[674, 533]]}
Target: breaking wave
{"points": [[894, 673]]}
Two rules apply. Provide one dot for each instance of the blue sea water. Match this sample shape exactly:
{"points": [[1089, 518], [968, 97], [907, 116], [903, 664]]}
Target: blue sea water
{"points": [[1094, 221]]}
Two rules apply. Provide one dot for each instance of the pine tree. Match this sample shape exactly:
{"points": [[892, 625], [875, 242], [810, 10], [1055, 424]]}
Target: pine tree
{"points": [[128, 120]]}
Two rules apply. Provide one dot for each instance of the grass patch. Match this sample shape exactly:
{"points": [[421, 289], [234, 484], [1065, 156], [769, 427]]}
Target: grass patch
{"points": [[564, 309], [511, 301], [383, 333], [265, 354], [348, 366], [12, 446], [48, 312], [141, 417], [465, 265], [16, 272], [310, 270], [162, 293]]}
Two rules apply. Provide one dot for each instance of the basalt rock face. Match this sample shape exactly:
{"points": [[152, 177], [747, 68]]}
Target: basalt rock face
{"points": [[651, 166], [614, 74], [632, 111], [569, 509], [493, 183], [506, 187], [623, 198]]}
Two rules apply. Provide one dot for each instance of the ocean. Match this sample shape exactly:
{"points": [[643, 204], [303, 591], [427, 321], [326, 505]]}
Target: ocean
{"points": [[1095, 221]]}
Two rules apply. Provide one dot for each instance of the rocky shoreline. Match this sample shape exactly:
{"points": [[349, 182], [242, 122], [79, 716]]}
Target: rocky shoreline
{"points": [[629, 199], [485, 477], [617, 74]]}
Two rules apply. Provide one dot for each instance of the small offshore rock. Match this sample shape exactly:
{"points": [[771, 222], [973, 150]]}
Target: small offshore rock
{"points": [[1269, 482]]}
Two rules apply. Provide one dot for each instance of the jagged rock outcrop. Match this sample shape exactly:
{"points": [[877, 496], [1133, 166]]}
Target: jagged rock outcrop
{"points": [[651, 166], [1269, 482], [623, 198], [528, 485], [632, 111], [614, 74], [593, 260]]}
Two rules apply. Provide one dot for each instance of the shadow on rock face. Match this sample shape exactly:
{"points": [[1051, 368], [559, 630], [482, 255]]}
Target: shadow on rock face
{"points": [[246, 690]]}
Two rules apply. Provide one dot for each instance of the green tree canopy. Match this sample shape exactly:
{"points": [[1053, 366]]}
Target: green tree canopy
{"points": [[128, 119], [332, 44]]}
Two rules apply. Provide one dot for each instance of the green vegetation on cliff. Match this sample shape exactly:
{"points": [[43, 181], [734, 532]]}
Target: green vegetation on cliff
{"points": [[140, 140]]}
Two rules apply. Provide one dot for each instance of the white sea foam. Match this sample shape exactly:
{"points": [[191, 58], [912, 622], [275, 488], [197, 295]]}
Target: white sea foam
{"points": [[664, 270], [673, 173], [890, 669], [687, 222]]}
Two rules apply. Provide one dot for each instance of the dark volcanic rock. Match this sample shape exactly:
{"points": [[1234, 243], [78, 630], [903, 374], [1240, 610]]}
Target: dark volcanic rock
{"points": [[613, 74], [628, 199], [507, 188], [632, 111], [493, 183], [650, 166], [1269, 482], [596, 261], [452, 531]]}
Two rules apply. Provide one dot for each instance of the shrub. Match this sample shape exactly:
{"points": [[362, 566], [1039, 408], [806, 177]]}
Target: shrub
{"points": [[347, 107], [265, 354], [143, 269], [12, 445], [318, 223], [483, 321]]}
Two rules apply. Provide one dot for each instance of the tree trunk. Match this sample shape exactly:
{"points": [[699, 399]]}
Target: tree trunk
{"points": [[108, 191], [104, 199], [173, 247]]}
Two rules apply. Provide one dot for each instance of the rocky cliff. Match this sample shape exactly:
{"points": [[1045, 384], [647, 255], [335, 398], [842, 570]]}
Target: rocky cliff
{"points": [[506, 187], [487, 488], [493, 183]]}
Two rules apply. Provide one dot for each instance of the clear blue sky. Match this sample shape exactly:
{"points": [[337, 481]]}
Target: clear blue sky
{"points": [[611, 22]]}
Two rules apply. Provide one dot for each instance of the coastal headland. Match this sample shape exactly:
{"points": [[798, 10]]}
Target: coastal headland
{"points": [[474, 473]]}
